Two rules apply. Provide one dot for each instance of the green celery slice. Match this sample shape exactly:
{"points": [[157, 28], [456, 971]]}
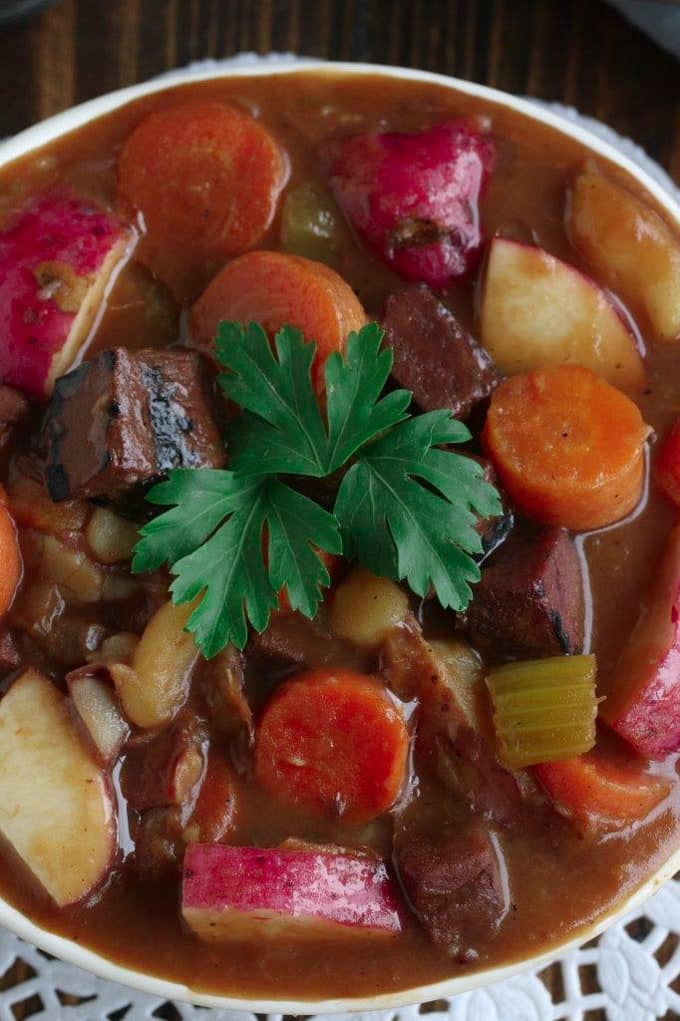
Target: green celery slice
{"points": [[543, 709]]}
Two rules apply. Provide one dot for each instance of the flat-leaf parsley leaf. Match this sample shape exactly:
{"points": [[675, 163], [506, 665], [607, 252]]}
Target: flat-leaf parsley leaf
{"points": [[406, 508]]}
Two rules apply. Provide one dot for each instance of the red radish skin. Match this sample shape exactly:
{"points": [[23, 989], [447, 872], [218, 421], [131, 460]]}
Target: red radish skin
{"points": [[55, 262], [241, 893], [644, 704], [414, 198]]}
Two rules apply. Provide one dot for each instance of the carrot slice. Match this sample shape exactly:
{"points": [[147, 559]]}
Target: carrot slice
{"points": [[599, 793], [205, 178], [333, 741], [273, 289], [567, 447], [10, 558], [667, 471]]}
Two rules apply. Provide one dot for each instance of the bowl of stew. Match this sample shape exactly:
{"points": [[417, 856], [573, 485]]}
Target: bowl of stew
{"points": [[341, 581]]}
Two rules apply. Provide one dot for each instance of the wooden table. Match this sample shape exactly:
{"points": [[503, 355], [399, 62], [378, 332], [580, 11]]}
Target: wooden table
{"points": [[579, 52]]}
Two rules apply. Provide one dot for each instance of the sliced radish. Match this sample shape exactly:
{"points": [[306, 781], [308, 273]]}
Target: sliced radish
{"points": [[414, 197], [56, 808], [538, 310], [644, 705], [56, 261], [238, 893]]}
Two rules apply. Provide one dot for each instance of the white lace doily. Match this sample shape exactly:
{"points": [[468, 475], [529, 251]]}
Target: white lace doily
{"points": [[631, 973]]}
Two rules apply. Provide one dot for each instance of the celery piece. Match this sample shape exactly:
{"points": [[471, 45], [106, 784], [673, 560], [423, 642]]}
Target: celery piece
{"points": [[543, 709], [309, 223]]}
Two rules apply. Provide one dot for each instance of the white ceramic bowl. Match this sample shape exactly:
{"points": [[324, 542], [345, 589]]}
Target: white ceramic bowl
{"points": [[66, 949]]}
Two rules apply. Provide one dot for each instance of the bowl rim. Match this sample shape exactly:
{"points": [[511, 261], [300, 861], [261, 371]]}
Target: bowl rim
{"points": [[67, 949]]}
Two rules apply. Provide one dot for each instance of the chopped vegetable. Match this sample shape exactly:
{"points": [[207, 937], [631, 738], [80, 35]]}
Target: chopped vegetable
{"points": [[10, 557], [415, 197], [425, 501], [599, 793], [56, 808], [628, 244], [156, 684], [543, 709], [274, 289], [643, 705], [333, 741], [190, 229], [253, 893], [56, 262], [366, 608], [567, 446], [667, 468], [538, 311], [99, 709], [309, 223]]}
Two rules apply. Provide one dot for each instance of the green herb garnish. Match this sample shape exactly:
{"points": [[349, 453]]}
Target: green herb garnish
{"points": [[404, 507]]}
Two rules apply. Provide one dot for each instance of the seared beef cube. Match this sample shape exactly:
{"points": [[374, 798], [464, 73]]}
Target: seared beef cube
{"points": [[529, 601], [126, 417], [455, 885], [433, 355]]}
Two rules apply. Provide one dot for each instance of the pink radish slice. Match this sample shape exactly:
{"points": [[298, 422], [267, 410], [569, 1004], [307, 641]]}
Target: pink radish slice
{"points": [[236, 893], [55, 262]]}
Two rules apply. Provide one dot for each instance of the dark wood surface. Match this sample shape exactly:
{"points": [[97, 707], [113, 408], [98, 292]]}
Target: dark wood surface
{"points": [[579, 52]]}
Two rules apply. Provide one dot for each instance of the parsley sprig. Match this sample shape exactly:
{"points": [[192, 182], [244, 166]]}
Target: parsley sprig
{"points": [[405, 507]]}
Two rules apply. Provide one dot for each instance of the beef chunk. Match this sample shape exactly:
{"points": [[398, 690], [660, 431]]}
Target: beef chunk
{"points": [[455, 883], [168, 769], [530, 599], [433, 355], [127, 417], [454, 734], [291, 640]]}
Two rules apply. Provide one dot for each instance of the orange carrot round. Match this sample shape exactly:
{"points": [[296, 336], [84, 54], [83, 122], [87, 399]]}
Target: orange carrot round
{"points": [[11, 566], [205, 178], [273, 289], [567, 447], [333, 741], [599, 793]]}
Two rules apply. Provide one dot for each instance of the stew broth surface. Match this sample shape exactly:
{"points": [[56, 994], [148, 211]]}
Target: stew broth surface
{"points": [[560, 881]]}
